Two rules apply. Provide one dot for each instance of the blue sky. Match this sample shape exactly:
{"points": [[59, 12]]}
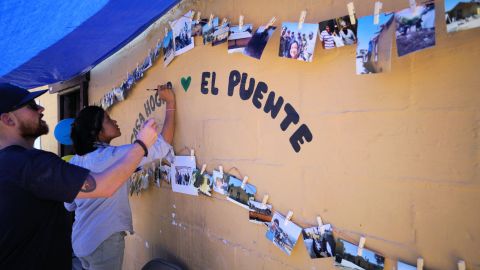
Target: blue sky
{"points": [[250, 189], [352, 249], [366, 29], [449, 4], [404, 266]]}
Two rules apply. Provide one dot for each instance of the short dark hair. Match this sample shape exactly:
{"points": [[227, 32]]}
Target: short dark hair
{"points": [[85, 129]]}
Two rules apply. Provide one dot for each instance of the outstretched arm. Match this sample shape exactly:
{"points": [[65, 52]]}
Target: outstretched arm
{"points": [[168, 129]]}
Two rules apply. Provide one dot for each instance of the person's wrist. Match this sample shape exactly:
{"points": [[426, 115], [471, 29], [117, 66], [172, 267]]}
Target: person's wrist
{"points": [[142, 145]]}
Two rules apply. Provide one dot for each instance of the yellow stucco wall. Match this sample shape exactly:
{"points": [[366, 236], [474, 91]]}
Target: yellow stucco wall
{"points": [[395, 156]]}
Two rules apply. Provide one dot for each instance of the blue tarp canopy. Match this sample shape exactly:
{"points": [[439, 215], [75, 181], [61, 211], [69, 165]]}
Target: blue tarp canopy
{"points": [[48, 41]]}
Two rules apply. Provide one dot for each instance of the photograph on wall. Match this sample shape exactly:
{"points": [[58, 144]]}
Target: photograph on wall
{"points": [[297, 43], [346, 257], [239, 38], [220, 182], [208, 29], [168, 49], [404, 266], [259, 213], [197, 26], [284, 236], [319, 241], [415, 29], [182, 175], [202, 182], [220, 34], [238, 195], [462, 15], [374, 47], [259, 41], [182, 34], [337, 32]]}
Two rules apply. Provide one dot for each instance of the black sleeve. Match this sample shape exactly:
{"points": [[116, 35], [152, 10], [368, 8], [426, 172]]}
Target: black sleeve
{"points": [[49, 177]]}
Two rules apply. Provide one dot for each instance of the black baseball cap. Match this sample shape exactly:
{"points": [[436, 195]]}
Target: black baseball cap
{"points": [[13, 97]]}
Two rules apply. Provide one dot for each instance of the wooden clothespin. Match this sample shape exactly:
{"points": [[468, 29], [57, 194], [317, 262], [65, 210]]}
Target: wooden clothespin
{"points": [[461, 265], [224, 21], [192, 152], [192, 14], [240, 23], [413, 5], [301, 20], [361, 244], [166, 31], [210, 20], [376, 12], [244, 182], [198, 16], [220, 168], [203, 168], [320, 225], [271, 22], [351, 12], [265, 200], [420, 264], [288, 218]]}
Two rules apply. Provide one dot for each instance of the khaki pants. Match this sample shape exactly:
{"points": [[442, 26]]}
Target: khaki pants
{"points": [[107, 256]]}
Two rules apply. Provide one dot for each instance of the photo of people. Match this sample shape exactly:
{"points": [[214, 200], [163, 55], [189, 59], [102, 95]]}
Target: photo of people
{"points": [[182, 175], [220, 35], [259, 41], [239, 38], [197, 27], [298, 43], [182, 33], [168, 49], [404, 266], [319, 245], [238, 195], [220, 182], [374, 46], [202, 182], [259, 213], [283, 236], [208, 29], [462, 15], [337, 32], [346, 257], [415, 29]]}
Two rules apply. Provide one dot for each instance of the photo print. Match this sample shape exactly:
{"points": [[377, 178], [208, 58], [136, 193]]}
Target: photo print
{"points": [[182, 33], [220, 182], [337, 32], [297, 43], [197, 27], [462, 15], [374, 46], [404, 266], [208, 30], [318, 244], [168, 49], [259, 41], [220, 34], [283, 236], [239, 38], [259, 213], [202, 182], [415, 29], [238, 195], [182, 175], [346, 257]]}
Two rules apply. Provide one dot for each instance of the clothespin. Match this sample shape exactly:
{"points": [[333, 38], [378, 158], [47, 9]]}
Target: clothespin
{"points": [[288, 217], [351, 12], [244, 182], [192, 152], [240, 23], [461, 265], [301, 20], [210, 20], [198, 16], [220, 168], [361, 244], [271, 22], [265, 200], [203, 168], [192, 14], [224, 21], [413, 5], [420, 264], [376, 12], [320, 225], [166, 31]]}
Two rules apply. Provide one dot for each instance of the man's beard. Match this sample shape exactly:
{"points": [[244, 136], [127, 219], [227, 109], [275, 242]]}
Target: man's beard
{"points": [[33, 131]]}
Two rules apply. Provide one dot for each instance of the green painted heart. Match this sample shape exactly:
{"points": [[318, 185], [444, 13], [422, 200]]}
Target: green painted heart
{"points": [[186, 83]]}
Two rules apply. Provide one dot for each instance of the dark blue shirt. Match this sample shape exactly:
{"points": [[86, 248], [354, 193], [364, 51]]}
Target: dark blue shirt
{"points": [[34, 226]]}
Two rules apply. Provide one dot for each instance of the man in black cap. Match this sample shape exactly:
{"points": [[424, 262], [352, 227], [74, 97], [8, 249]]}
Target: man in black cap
{"points": [[34, 227]]}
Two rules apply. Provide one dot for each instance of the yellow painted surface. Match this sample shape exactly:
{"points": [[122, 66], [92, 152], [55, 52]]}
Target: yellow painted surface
{"points": [[394, 156]]}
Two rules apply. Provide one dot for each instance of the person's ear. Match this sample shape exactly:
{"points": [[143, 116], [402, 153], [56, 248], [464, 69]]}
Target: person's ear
{"points": [[6, 119]]}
